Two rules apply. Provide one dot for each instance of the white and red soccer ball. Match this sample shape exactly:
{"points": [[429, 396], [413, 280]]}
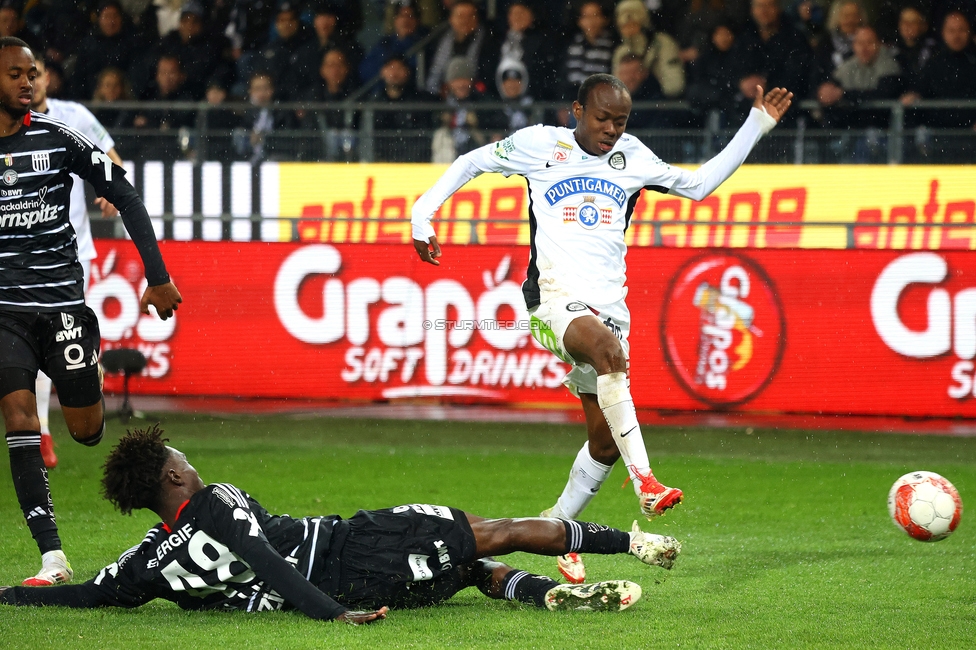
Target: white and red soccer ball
{"points": [[925, 505]]}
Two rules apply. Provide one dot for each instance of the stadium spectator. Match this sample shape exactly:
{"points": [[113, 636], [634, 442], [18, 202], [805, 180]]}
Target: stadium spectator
{"points": [[348, 13], [322, 566], [590, 50], [254, 140], [695, 28], [643, 86], [59, 25], [202, 53], [466, 38], [949, 74], [215, 127], [771, 53], [871, 74], [402, 134], [809, 18], [327, 35], [430, 13], [109, 45], [167, 14], [407, 32], [461, 129], [249, 25], [522, 41], [659, 51], [712, 76], [169, 86], [837, 45], [11, 24], [282, 57], [914, 45], [337, 125], [113, 86], [512, 81]]}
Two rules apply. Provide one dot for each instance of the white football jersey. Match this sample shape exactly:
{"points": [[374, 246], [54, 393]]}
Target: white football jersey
{"points": [[77, 116], [580, 204]]}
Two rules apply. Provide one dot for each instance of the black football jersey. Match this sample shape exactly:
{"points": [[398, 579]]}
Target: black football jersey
{"points": [[39, 267], [225, 552]]}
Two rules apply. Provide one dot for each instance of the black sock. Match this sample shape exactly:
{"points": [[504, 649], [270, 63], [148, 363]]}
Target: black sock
{"points": [[526, 587], [587, 537], [33, 491]]}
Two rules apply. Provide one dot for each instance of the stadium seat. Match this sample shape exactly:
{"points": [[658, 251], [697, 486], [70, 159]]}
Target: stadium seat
{"points": [[128, 361]]}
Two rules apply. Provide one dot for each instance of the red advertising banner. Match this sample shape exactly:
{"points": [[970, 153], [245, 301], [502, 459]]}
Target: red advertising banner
{"points": [[803, 331]]}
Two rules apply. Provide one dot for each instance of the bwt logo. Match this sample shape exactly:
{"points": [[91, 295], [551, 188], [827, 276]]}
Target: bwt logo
{"points": [[115, 300], [405, 328], [950, 319]]}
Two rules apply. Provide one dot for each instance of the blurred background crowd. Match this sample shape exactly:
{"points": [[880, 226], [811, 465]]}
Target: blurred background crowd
{"points": [[458, 53]]}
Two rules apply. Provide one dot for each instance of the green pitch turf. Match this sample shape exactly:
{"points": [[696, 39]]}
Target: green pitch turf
{"points": [[787, 540]]}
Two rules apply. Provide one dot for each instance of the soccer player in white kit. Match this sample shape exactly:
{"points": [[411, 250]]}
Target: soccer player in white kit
{"points": [[583, 186], [77, 116]]}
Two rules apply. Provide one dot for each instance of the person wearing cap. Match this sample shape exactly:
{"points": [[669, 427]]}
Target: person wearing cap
{"points": [[512, 81], [282, 55], [109, 45], [659, 51], [201, 51], [523, 41], [460, 131], [466, 38]]}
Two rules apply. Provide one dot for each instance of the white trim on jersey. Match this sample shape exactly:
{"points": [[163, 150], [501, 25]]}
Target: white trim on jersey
{"points": [[43, 117]]}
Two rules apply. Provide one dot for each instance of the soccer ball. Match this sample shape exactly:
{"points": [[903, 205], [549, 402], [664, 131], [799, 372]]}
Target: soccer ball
{"points": [[925, 505]]}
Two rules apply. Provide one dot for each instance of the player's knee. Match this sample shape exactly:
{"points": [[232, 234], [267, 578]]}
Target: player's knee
{"points": [[90, 438]]}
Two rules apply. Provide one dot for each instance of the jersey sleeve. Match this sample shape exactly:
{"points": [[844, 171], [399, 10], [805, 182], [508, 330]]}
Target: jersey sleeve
{"points": [[234, 519], [92, 164], [117, 585], [516, 154], [93, 129]]}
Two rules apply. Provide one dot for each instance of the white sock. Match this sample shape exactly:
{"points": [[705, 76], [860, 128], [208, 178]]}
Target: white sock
{"points": [[613, 394], [42, 390], [584, 482]]}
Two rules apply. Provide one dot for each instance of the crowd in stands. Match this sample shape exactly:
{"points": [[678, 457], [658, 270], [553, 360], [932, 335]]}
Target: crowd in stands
{"points": [[711, 53]]}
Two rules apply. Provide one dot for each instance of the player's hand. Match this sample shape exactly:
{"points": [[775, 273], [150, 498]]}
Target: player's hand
{"points": [[429, 252], [165, 298], [108, 210], [775, 103], [362, 618]]}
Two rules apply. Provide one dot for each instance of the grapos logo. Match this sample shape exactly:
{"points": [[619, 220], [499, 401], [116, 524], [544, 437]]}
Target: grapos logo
{"points": [[722, 329], [114, 297], [405, 341]]}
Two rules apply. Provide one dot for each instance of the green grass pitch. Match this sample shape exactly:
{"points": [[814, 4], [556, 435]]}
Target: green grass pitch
{"points": [[787, 540]]}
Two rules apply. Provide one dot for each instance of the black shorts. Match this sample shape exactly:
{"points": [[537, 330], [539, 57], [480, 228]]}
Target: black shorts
{"points": [[403, 557], [62, 344]]}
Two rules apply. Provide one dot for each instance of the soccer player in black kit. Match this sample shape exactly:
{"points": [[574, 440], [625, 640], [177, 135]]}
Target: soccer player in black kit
{"points": [[44, 323], [217, 548]]}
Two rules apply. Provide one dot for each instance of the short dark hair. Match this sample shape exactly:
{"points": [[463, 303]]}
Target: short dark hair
{"points": [[12, 41], [593, 81], [133, 471]]}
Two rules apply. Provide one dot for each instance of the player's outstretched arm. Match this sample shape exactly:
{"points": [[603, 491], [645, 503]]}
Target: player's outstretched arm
{"points": [[775, 103], [164, 297], [362, 618], [428, 251]]}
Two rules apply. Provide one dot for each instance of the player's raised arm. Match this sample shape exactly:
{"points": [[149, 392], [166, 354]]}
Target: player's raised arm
{"points": [[766, 112], [108, 179], [513, 155]]}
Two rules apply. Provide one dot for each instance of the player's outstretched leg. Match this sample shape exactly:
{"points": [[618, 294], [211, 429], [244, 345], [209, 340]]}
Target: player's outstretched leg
{"points": [[613, 394], [562, 536], [500, 581]]}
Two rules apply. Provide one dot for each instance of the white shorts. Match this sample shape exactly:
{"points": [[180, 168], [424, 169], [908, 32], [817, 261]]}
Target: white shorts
{"points": [[549, 322]]}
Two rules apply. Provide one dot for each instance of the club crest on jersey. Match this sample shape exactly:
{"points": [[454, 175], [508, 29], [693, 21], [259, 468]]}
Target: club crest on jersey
{"points": [[587, 214], [582, 184], [561, 152], [10, 177], [617, 161], [41, 161]]}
